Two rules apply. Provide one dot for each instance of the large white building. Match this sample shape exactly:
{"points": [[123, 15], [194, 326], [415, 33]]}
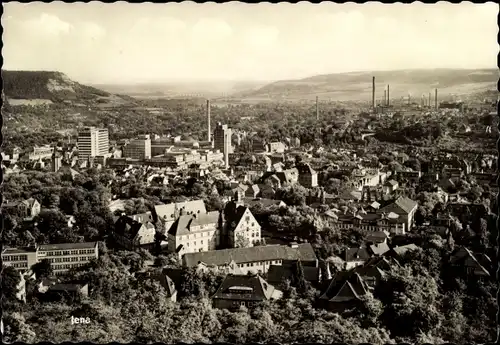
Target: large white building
{"points": [[93, 142], [138, 148]]}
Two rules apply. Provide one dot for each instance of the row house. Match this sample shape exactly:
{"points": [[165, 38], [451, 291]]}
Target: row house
{"points": [[254, 259], [62, 257], [390, 222]]}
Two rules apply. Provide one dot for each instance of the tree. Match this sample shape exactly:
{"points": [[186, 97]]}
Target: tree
{"points": [[298, 279], [10, 282], [42, 269], [241, 241]]}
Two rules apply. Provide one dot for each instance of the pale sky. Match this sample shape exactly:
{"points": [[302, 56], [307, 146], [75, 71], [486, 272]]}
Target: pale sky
{"points": [[128, 43]]}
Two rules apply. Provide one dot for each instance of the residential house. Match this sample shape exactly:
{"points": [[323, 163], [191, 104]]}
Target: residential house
{"points": [[390, 186], [249, 202], [288, 176], [135, 232], [344, 292], [240, 226], [399, 251], [243, 290], [377, 237], [463, 259], [170, 212], [276, 147], [74, 291], [356, 256], [254, 259], [194, 233], [374, 270], [308, 177], [168, 284], [410, 175], [277, 274], [266, 191], [405, 208], [27, 209], [252, 191]]}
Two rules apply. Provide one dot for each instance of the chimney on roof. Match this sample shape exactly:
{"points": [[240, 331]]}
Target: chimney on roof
{"points": [[373, 92]]}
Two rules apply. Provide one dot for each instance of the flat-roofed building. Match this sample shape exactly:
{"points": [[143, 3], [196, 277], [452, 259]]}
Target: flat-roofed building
{"points": [[139, 148], [93, 142], [62, 256], [19, 258], [65, 256]]}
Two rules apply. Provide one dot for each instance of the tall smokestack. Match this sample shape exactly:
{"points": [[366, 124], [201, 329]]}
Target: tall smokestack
{"points": [[436, 98], [429, 104], [317, 109], [409, 98], [388, 97], [208, 118], [385, 98], [373, 92]]}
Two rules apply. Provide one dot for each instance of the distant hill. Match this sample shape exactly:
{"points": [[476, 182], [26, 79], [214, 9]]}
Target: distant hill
{"points": [[182, 89], [358, 85], [38, 87]]}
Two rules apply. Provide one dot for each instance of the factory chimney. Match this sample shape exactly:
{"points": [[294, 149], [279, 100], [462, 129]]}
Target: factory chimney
{"points": [[317, 109], [208, 118], [429, 104], [373, 92], [388, 97], [409, 98], [385, 98], [436, 98]]}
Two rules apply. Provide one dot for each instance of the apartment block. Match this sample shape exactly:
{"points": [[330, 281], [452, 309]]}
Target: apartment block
{"points": [[138, 148], [93, 142]]}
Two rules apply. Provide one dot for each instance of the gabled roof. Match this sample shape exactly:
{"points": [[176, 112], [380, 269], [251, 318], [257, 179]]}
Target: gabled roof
{"points": [[465, 255], [304, 252], [128, 227], [245, 287], [168, 211], [390, 183], [344, 287], [276, 274], [401, 250], [183, 224], [357, 254], [402, 205], [168, 284], [262, 201], [379, 249]]}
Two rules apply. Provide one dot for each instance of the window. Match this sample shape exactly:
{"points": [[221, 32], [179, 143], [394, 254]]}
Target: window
{"points": [[201, 241], [247, 218], [253, 224], [194, 243], [65, 252], [65, 259], [73, 259], [74, 252]]}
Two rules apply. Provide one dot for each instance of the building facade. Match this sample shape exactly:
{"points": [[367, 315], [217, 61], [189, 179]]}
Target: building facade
{"points": [[222, 141], [93, 142], [61, 256], [139, 148]]}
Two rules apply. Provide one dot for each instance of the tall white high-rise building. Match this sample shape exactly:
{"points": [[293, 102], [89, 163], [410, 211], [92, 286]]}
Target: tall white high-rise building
{"points": [[222, 141], [93, 142]]}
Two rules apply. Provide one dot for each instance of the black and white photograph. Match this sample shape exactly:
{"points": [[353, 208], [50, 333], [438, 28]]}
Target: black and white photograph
{"points": [[249, 173]]}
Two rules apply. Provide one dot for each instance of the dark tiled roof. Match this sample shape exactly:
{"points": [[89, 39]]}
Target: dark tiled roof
{"points": [[168, 211], [183, 224], [276, 274], [304, 252], [261, 201], [357, 254], [244, 287], [345, 286]]}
